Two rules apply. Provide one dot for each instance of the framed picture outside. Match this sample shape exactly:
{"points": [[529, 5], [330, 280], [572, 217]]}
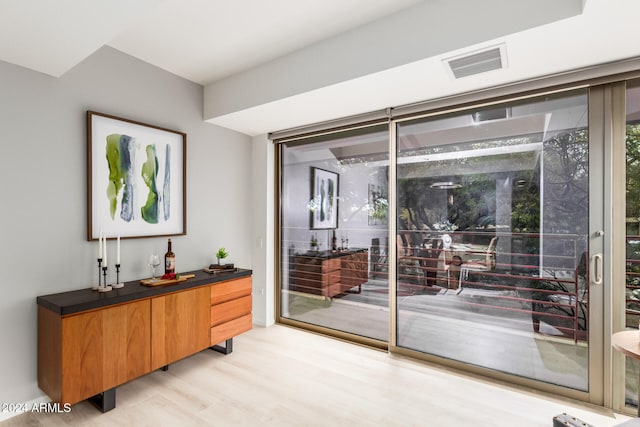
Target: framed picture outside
{"points": [[324, 199], [378, 205], [136, 178]]}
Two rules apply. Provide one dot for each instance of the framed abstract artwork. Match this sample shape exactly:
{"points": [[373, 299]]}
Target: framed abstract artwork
{"points": [[324, 199], [136, 178]]}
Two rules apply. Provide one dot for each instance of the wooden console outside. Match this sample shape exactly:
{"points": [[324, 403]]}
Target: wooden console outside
{"points": [[87, 353], [329, 273]]}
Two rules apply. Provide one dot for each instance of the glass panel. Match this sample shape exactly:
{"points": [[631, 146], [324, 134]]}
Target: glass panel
{"points": [[633, 234], [492, 237], [334, 231]]}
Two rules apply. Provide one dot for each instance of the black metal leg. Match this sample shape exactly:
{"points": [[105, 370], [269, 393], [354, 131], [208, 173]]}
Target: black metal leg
{"points": [[165, 368], [104, 401], [228, 347]]}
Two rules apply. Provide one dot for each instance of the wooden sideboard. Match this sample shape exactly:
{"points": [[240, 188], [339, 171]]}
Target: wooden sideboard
{"points": [[89, 343], [329, 273]]}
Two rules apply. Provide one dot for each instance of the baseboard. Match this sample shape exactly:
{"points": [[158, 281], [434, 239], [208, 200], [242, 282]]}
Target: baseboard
{"points": [[262, 324]]}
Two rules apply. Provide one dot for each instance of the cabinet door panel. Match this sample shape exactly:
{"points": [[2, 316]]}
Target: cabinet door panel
{"points": [[127, 340], [81, 357], [104, 348], [180, 325]]}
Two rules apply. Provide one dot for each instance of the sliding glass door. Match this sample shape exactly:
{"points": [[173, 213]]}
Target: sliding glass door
{"points": [[334, 232], [493, 238], [471, 237]]}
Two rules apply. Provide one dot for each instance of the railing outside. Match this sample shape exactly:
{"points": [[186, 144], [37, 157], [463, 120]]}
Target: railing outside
{"points": [[539, 275]]}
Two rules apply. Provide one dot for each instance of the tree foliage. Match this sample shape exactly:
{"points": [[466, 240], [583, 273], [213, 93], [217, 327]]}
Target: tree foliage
{"points": [[566, 183], [633, 172], [563, 167]]}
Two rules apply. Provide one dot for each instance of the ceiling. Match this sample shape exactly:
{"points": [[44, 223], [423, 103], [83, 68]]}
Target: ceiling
{"points": [[206, 41], [200, 40]]}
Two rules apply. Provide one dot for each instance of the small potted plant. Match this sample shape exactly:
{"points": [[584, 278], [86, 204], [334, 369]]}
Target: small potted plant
{"points": [[221, 255]]}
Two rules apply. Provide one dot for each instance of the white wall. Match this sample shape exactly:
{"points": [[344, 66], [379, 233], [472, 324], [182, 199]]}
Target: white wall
{"points": [[263, 230], [353, 213], [43, 223]]}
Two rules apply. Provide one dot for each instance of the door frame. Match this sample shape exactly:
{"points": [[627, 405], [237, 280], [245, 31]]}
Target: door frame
{"points": [[614, 97]]}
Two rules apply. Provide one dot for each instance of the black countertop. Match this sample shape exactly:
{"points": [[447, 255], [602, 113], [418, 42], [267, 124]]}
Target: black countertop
{"points": [[86, 299], [331, 254]]}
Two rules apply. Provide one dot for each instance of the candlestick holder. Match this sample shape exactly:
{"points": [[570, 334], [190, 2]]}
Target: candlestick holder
{"points": [[105, 287], [96, 287], [117, 285]]}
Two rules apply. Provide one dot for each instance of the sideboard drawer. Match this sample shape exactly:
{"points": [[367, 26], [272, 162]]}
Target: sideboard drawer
{"points": [[230, 310], [226, 291], [230, 329]]}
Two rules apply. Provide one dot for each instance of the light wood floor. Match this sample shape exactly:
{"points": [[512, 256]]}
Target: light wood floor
{"points": [[280, 376]]}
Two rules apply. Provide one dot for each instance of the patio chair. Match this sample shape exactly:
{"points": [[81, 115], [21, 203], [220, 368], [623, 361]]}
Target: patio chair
{"points": [[487, 264]]}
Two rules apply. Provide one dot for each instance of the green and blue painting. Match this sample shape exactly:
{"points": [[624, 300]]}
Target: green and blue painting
{"points": [[120, 153]]}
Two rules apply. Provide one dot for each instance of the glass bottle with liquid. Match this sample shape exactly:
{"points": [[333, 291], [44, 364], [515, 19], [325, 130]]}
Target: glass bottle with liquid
{"points": [[169, 260]]}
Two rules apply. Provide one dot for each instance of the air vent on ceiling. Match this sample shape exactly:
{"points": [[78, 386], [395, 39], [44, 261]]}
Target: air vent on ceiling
{"points": [[477, 62], [491, 114]]}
